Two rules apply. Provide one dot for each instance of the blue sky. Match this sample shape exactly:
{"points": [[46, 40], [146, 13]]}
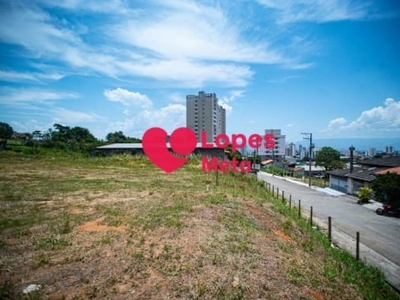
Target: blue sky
{"points": [[330, 67]]}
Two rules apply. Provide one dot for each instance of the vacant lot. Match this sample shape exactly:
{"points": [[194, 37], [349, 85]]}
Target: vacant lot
{"points": [[118, 228]]}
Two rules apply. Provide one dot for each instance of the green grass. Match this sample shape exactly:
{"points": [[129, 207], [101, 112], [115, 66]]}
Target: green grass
{"points": [[117, 226]]}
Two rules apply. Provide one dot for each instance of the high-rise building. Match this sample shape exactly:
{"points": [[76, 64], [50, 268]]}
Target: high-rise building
{"points": [[203, 113], [371, 152], [389, 149], [280, 145], [291, 150]]}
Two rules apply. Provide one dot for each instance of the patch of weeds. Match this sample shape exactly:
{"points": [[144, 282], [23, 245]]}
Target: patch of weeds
{"points": [[112, 280], [27, 216], [218, 258], [223, 290], [91, 292], [6, 290], [42, 260], [294, 272], [138, 256], [236, 222], [3, 245], [308, 243], [9, 193], [63, 223], [169, 216], [285, 247], [330, 271], [105, 239], [287, 226], [113, 213], [215, 199], [241, 245], [53, 242]]}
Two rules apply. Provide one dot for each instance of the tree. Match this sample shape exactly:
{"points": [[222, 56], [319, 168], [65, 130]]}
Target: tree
{"points": [[328, 158], [6, 131], [387, 187], [61, 133], [116, 137], [37, 135], [80, 134], [231, 155]]}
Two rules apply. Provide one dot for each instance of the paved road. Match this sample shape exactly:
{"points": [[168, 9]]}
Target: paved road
{"points": [[379, 233]]}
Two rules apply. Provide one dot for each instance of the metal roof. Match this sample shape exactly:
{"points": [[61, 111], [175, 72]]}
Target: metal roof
{"points": [[358, 173], [393, 161], [139, 146]]}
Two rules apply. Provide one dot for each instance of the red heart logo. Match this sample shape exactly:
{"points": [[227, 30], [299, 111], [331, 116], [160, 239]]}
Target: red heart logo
{"points": [[183, 141]]}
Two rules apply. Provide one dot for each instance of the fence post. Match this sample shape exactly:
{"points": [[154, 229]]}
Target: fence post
{"points": [[330, 229], [358, 246], [277, 192], [290, 202], [273, 191], [299, 208], [283, 196], [311, 214]]}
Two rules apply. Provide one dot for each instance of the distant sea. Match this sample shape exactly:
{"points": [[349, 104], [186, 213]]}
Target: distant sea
{"points": [[361, 144]]}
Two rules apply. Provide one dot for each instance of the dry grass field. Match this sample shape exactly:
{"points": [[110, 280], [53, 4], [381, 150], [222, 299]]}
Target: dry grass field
{"points": [[119, 228]]}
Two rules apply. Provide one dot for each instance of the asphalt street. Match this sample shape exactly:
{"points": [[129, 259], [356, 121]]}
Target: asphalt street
{"points": [[378, 233]]}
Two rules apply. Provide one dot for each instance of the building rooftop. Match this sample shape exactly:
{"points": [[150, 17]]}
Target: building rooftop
{"points": [[393, 161], [364, 174], [139, 146], [395, 170]]}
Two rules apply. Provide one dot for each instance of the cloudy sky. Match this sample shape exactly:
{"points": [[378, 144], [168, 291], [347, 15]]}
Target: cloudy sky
{"points": [[330, 67]]}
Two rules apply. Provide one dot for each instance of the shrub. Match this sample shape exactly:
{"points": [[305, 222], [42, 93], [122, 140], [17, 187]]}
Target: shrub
{"points": [[364, 194]]}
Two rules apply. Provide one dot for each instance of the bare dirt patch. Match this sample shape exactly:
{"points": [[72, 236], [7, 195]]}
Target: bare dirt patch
{"points": [[96, 226]]}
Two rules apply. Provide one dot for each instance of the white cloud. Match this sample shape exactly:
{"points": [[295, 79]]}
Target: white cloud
{"points": [[28, 126], [67, 116], [115, 6], [177, 98], [137, 121], [169, 117], [336, 122], [381, 118], [128, 98], [226, 102], [377, 121], [317, 10], [12, 76], [142, 43], [212, 36], [12, 96]]}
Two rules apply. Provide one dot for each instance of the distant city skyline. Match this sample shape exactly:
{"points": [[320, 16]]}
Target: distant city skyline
{"points": [[361, 145]]}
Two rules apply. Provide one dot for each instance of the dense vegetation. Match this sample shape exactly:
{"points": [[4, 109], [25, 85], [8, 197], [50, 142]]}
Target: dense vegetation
{"points": [[76, 138], [387, 188]]}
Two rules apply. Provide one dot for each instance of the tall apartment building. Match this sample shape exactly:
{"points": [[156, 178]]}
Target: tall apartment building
{"points": [[203, 113], [371, 152], [389, 149], [291, 150], [280, 145]]}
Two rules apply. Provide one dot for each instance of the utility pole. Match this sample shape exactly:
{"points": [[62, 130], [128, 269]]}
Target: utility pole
{"points": [[351, 158], [308, 136]]}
